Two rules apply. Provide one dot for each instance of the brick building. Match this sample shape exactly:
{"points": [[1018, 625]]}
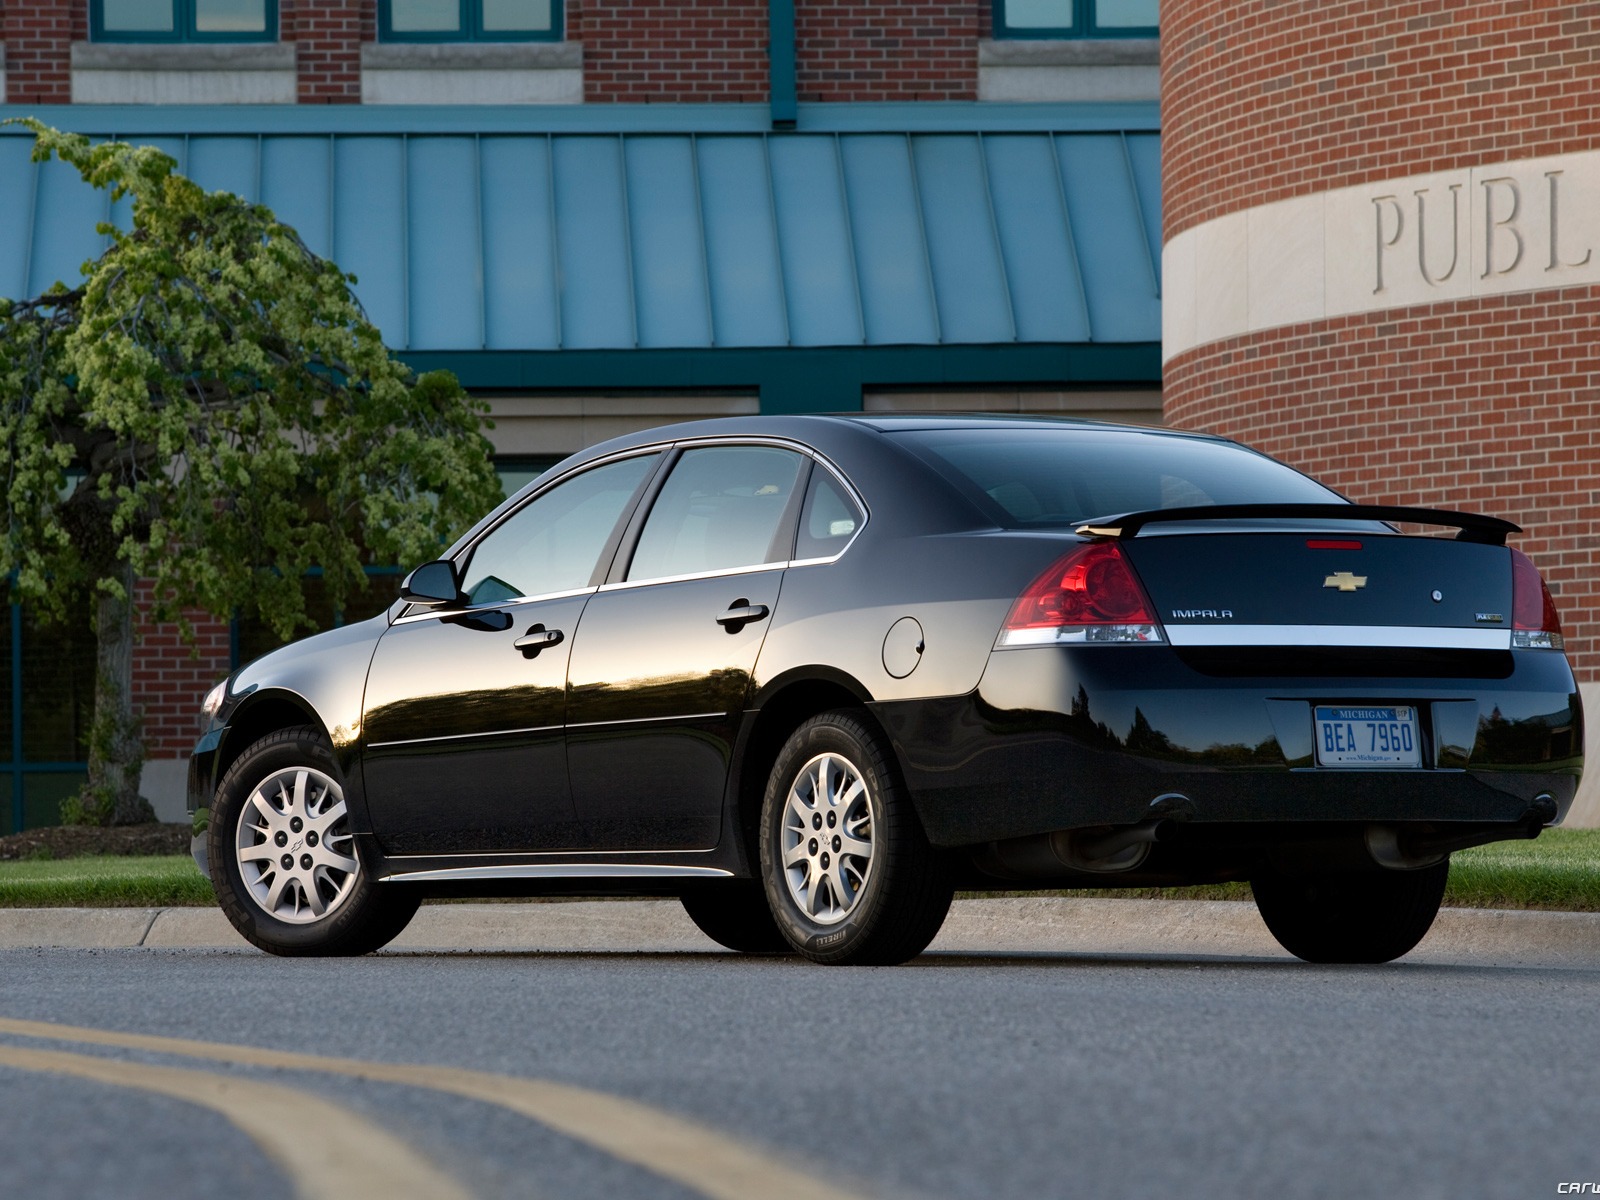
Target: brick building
{"points": [[1382, 258], [608, 214]]}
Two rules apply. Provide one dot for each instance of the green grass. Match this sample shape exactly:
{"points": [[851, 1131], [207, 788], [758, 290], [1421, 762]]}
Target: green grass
{"points": [[104, 882], [1560, 870]]}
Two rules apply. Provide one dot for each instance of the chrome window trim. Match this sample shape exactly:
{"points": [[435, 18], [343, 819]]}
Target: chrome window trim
{"points": [[1397, 637], [780, 443], [626, 584], [514, 602], [707, 443], [464, 554], [779, 565], [560, 871], [866, 516]]}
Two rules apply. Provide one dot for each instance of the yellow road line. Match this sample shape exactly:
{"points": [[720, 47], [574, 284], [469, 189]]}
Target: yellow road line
{"points": [[327, 1152], [701, 1159]]}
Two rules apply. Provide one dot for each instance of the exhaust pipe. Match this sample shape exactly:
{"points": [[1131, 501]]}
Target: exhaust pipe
{"points": [[1399, 850], [1100, 850]]}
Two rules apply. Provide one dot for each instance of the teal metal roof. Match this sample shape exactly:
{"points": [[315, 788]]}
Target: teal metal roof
{"points": [[492, 230]]}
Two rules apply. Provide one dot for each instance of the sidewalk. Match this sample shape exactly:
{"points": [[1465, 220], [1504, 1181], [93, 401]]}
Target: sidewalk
{"points": [[1029, 925]]}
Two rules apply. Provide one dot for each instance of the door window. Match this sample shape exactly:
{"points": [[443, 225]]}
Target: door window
{"points": [[553, 543], [723, 507]]}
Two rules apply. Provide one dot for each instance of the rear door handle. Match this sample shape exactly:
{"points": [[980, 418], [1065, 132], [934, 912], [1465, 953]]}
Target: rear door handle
{"points": [[536, 639], [740, 614]]}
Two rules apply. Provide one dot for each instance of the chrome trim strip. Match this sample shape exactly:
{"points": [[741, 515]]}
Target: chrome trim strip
{"points": [[1413, 637], [719, 716], [560, 871], [514, 602], [626, 584], [456, 737]]}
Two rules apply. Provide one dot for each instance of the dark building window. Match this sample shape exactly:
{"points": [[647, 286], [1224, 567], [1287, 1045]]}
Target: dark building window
{"points": [[1075, 18], [469, 20], [184, 20]]}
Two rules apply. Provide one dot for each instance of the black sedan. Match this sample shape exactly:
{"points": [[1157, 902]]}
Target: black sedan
{"points": [[813, 674]]}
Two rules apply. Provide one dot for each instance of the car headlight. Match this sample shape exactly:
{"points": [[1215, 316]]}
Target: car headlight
{"points": [[210, 706]]}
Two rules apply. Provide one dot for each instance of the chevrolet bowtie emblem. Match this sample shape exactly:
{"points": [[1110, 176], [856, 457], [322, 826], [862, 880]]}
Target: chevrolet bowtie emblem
{"points": [[1345, 581]]}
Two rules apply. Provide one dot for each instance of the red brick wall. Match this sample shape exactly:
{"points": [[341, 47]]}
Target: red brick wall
{"points": [[635, 51], [916, 50], [38, 37], [664, 51], [329, 34], [1264, 99], [661, 51], [171, 677], [1490, 405]]}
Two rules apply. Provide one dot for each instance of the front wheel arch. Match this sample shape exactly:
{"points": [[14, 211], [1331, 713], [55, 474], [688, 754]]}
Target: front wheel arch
{"points": [[367, 915]]}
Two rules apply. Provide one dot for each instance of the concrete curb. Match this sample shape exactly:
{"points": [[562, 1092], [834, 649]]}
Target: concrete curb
{"points": [[1030, 925]]}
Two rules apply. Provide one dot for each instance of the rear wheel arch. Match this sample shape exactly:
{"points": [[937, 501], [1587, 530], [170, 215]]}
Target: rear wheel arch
{"points": [[782, 707]]}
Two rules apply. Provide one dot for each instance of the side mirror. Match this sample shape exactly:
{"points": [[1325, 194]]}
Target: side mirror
{"points": [[432, 584]]}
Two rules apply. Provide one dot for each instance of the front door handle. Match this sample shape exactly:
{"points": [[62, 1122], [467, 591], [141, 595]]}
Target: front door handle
{"points": [[740, 614], [536, 639]]}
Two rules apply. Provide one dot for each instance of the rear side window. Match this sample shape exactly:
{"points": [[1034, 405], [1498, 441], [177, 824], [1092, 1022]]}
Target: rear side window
{"points": [[829, 520], [722, 508], [1030, 476]]}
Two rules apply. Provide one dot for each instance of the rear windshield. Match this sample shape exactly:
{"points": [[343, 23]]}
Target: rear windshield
{"points": [[1029, 476]]}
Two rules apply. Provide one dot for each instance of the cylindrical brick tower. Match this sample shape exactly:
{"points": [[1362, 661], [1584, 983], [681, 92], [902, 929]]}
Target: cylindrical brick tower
{"points": [[1382, 257]]}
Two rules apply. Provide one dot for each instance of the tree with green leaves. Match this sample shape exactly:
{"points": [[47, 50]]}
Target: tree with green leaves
{"points": [[210, 410]]}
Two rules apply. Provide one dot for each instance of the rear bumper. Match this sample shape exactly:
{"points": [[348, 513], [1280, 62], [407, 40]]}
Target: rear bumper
{"points": [[1059, 738]]}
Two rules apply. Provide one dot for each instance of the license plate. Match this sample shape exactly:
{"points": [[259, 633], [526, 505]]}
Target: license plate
{"points": [[1367, 737]]}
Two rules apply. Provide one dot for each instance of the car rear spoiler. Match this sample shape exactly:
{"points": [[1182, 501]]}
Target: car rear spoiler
{"points": [[1473, 527]]}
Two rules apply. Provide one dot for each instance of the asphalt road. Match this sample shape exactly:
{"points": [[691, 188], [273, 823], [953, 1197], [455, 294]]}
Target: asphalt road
{"points": [[960, 1075]]}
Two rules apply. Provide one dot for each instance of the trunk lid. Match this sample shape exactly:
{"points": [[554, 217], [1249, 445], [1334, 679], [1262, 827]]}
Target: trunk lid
{"points": [[1363, 589]]}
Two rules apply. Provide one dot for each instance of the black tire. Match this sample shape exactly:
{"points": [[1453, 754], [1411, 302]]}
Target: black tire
{"points": [[1351, 917], [359, 915], [834, 905], [736, 915]]}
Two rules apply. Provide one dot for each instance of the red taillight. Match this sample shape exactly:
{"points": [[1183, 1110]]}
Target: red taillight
{"points": [[1323, 544], [1092, 593], [1534, 621]]}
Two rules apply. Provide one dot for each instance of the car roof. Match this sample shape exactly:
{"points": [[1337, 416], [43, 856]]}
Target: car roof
{"points": [[810, 427]]}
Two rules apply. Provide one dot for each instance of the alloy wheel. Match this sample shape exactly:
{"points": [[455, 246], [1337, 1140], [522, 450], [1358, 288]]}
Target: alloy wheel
{"points": [[294, 848], [827, 838]]}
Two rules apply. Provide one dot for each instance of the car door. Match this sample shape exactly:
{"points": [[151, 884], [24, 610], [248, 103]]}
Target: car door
{"points": [[661, 667], [464, 749]]}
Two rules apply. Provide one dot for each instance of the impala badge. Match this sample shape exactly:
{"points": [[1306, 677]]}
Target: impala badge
{"points": [[1345, 581]]}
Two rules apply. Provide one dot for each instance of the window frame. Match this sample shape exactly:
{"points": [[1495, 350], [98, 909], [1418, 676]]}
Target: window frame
{"points": [[470, 29], [183, 30], [1083, 28], [462, 560], [788, 522]]}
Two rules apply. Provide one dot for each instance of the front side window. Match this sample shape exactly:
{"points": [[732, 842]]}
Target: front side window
{"points": [[553, 543], [469, 20], [722, 508], [184, 20], [1075, 18]]}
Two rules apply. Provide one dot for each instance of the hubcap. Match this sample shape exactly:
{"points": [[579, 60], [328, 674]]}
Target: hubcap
{"points": [[294, 848], [827, 839]]}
